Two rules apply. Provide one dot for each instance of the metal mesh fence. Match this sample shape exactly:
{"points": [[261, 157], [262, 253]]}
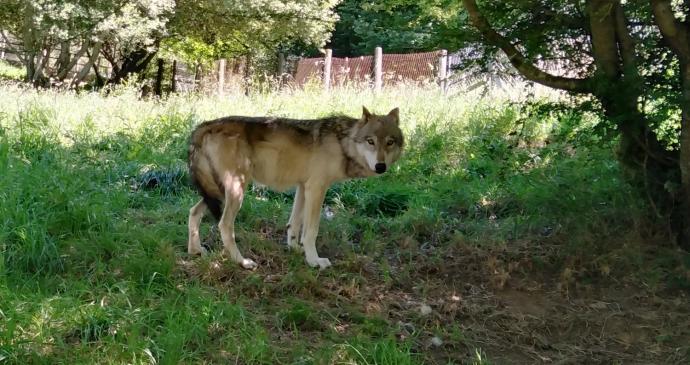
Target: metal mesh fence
{"points": [[396, 68]]}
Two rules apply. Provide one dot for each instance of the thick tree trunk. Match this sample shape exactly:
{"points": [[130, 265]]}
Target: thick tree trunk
{"points": [[683, 209], [652, 169], [676, 34]]}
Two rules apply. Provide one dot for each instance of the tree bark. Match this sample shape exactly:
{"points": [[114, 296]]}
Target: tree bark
{"points": [[133, 63], [173, 81], [618, 85], [677, 35], [68, 64], [518, 60], [79, 77], [158, 87]]}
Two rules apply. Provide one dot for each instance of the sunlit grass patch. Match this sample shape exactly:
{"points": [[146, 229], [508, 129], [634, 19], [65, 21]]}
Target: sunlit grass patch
{"points": [[93, 230]]}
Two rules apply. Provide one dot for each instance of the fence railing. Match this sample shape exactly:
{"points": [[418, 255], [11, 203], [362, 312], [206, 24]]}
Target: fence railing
{"points": [[232, 75], [378, 70]]}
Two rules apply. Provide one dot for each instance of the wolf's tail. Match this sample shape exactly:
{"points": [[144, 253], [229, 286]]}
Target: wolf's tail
{"points": [[213, 204]]}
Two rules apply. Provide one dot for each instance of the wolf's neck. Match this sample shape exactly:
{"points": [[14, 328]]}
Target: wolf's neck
{"points": [[353, 168]]}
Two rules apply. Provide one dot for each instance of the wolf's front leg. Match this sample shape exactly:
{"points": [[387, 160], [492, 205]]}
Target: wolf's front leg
{"points": [[313, 199], [294, 226]]}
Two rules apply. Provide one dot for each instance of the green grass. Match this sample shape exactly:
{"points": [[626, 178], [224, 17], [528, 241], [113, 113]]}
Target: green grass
{"points": [[94, 197], [11, 72]]}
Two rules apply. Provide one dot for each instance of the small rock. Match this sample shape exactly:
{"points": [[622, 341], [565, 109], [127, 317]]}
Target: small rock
{"points": [[425, 310], [406, 327], [436, 341]]}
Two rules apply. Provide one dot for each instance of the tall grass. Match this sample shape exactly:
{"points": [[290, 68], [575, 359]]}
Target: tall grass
{"points": [[94, 206]]}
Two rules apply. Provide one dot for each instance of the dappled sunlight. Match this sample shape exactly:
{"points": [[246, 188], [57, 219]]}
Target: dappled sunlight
{"points": [[492, 212]]}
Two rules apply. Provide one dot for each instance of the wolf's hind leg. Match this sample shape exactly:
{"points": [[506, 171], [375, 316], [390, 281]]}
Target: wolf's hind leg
{"points": [[313, 199], [195, 215], [234, 193], [294, 226]]}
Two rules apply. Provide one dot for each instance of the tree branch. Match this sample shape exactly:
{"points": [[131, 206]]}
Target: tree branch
{"points": [[65, 69], [8, 46], [626, 41], [79, 76], [673, 31], [604, 44], [518, 60]]}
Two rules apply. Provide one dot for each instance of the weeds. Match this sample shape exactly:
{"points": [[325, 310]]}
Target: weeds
{"points": [[93, 233]]}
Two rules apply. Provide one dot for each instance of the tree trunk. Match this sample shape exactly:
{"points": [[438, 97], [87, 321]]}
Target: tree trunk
{"points": [[197, 77], [247, 74], [683, 209], [158, 86], [79, 77], [173, 82], [676, 34], [133, 63]]}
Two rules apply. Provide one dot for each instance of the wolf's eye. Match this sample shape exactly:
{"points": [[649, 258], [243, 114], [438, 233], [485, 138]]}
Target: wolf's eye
{"points": [[370, 141], [391, 142]]}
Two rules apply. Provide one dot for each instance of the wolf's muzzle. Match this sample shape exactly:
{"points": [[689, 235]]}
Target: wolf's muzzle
{"points": [[380, 168]]}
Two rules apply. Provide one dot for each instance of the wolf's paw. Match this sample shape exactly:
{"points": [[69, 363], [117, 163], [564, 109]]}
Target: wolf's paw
{"points": [[295, 247], [197, 251], [321, 262], [248, 264]]}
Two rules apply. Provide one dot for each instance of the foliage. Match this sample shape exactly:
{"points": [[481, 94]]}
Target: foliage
{"points": [[239, 28], [11, 72], [45, 26], [93, 231], [129, 33], [397, 26], [633, 62]]}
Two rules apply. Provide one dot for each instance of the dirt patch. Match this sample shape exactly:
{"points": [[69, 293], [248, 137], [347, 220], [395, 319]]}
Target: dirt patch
{"points": [[461, 302]]}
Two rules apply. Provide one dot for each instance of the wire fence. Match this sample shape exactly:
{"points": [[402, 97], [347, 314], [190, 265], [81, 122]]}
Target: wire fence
{"points": [[395, 68], [235, 75]]}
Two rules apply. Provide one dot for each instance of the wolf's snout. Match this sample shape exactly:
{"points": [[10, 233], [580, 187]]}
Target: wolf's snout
{"points": [[380, 168]]}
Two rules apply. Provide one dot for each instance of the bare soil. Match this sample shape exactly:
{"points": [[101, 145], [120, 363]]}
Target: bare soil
{"points": [[513, 306]]}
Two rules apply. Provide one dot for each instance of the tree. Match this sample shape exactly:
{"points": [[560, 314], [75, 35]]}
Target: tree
{"points": [[627, 55], [132, 36], [56, 35], [631, 57], [212, 29], [400, 26]]}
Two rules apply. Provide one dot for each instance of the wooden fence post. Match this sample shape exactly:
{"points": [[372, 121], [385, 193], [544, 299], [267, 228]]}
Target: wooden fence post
{"points": [[378, 69], [327, 69], [221, 76], [281, 68], [443, 70]]}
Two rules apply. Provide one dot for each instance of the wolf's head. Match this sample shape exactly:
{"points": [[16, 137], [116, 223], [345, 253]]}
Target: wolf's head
{"points": [[378, 140]]}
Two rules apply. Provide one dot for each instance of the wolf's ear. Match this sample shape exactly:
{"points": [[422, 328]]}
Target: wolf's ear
{"points": [[395, 114], [365, 116], [365, 113]]}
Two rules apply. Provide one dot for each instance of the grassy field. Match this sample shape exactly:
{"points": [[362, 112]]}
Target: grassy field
{"points": [[501, 237]]}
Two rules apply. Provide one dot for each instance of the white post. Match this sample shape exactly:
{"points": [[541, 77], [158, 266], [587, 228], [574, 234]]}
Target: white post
{"points": [[378, 69], [2, 48], [327, 69], [221, 77], [443, 70]]}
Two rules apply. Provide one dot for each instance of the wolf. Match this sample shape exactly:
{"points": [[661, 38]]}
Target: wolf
{"points": [[227, 153]]}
